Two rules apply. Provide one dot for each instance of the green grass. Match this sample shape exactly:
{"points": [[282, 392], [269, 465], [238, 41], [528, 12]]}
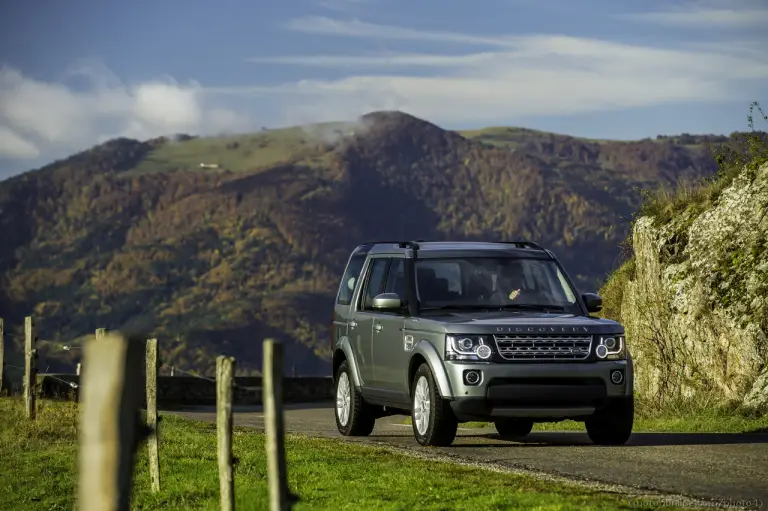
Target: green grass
{"points": [[246, 152], [325, 473]]}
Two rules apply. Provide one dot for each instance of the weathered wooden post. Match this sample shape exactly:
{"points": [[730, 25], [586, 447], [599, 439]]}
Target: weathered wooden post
{"points": [[30, 368], [109, 416], [2, 354], [154, 456], [225, 371], [272, 388]]}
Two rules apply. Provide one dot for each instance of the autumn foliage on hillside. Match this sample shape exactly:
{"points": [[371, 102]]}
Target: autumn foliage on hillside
{"points": [[213, 261]]}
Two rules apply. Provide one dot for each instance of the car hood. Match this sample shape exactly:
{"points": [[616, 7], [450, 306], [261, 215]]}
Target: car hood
{"points": [[514, 322]]}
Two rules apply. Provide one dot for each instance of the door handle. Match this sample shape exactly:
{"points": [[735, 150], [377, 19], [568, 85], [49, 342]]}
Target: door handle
{"points": [[377, 327], [352, 324]]}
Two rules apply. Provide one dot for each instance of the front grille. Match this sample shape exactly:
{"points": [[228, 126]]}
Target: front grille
{"points": [[543, 347]]}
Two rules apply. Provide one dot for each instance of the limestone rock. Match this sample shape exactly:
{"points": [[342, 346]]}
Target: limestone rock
{"points": [[696, 311]]}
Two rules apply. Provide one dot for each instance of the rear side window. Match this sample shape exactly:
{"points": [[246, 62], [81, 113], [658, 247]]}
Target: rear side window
{"points": [[350, 278]]}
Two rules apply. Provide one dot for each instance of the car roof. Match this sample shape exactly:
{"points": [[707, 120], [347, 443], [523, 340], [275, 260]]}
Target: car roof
{"points": [[430, 249]]}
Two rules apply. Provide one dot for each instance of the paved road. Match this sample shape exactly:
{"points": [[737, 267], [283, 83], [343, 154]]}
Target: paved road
{"points": [[720, 467]]}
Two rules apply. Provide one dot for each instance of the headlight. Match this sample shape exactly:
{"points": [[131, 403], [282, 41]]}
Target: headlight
{"points": [[468, 347], [610, 347]]}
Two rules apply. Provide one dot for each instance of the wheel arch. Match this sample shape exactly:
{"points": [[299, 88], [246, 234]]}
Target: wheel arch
{"points": [[424, 352], [344, 352]]}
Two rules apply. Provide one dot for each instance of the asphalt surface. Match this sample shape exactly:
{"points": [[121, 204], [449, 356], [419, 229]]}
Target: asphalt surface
{"points": [[722, 468]]}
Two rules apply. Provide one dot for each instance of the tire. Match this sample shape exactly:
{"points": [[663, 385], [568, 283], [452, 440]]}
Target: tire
{"points": [[354, 417], [439, 426], [513, 428], [613, 425]]}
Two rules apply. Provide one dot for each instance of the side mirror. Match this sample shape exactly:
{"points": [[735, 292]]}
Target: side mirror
{"points": [[387, 301], [593, 302]]}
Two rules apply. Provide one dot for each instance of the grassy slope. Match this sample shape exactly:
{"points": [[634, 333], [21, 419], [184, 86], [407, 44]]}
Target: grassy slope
{"points": [[326, 474], [246, 152]]}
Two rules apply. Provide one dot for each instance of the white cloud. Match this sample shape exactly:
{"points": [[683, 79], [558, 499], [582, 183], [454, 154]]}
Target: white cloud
{"points": [[521, 76], [707, 14], [344, 5], [14, 146], [53, 119], [356, 28]]}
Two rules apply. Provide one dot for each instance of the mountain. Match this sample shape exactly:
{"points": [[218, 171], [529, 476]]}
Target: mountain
{"points": [[212, 259]]}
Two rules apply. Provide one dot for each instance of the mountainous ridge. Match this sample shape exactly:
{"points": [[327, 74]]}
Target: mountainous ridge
{"points": [[135, 234]]}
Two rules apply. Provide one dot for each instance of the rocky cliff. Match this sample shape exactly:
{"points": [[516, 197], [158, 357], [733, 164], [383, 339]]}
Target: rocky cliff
{"points": [[694, 297]]}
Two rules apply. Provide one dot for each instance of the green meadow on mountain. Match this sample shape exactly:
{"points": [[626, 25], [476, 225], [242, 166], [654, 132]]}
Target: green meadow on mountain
{"points": [[212, 259]]}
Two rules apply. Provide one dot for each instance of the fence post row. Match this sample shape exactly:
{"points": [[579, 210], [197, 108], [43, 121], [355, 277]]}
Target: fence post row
{"points": [[30, 369], [152, 441], [111, 398], [225, 371], [272, 388]]}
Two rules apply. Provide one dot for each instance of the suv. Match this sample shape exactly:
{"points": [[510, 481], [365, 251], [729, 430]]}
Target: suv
{"points": [[449, 332]]}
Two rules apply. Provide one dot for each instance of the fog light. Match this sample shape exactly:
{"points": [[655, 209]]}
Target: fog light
{"points": [[617, 377], [472, 377]]}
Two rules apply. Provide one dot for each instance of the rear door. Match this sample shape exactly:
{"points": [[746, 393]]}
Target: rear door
{"points": [[360, 327], [342, 309]]}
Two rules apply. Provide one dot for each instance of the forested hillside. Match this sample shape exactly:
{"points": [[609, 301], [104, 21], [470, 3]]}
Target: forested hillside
{"points": [[136, 235]]}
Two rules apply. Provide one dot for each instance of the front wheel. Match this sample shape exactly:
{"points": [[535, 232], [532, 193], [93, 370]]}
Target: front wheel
{"points": [[354, 416], [434, 423], [513, 428], [613, 425]]}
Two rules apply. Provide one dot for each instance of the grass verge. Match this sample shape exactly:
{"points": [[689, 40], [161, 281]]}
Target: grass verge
{"points": [[325, 473]]}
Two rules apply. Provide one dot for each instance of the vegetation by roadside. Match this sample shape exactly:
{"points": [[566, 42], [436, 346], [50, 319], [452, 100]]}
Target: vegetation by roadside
{"points": [[326, 474]]}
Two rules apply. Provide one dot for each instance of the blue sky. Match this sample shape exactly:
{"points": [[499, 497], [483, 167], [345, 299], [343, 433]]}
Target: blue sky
{"points": [[76, 73]]}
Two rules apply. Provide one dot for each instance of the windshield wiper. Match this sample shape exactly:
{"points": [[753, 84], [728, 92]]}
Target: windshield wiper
{"points": [[489, 307], [459, 306], [530, 306]]}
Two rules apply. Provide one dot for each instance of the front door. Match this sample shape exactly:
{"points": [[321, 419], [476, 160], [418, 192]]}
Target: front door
{"points": [[389, 352], [360, 326]]}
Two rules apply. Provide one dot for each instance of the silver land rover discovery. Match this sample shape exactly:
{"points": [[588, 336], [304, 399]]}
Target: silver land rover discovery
{"points": [[449, 332]]}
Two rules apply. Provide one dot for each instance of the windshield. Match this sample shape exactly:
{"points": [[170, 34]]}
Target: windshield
{"points": [[499, 282]]}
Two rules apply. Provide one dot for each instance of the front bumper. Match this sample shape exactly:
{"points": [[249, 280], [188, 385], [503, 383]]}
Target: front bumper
{"points": [[541, 391]]}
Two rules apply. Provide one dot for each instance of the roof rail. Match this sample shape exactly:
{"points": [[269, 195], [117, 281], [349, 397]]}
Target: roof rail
{"points": [[399, 243], [524, 244]]}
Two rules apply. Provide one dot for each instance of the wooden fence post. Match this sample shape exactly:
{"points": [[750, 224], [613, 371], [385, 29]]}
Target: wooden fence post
{"points": [[109, 416], [30, 369], [2, 354], [154, 456], [272, 388], [225, 371]]}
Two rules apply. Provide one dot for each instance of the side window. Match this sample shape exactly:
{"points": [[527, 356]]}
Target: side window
{"points": [[349, 280], [396, 278], [438, 281], [375, 284]]}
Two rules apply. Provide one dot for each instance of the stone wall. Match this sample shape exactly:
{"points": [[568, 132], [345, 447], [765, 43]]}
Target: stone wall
{"points": [[181, 391]]}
